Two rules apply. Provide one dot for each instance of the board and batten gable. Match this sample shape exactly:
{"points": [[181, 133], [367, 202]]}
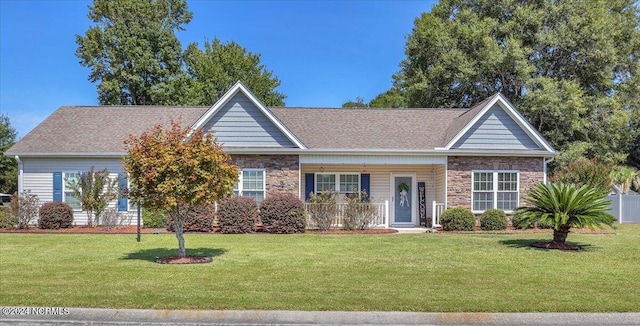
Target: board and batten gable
{"points": [[240, 123], [496, 129]]}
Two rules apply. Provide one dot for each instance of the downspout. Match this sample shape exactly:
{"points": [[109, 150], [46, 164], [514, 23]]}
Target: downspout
{"points": [[20, 174], [545, 167]]}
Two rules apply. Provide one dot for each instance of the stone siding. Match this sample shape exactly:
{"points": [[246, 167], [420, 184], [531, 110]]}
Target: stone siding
{"points": [[281, 170], [460, 169]]}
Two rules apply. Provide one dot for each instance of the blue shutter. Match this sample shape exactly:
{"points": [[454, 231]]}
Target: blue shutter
{"points": [[365, 184], [57, 186], [123, 202], [309, 185]]}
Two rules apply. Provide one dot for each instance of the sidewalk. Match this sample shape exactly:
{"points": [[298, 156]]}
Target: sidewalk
{"points": [[90, 316]]}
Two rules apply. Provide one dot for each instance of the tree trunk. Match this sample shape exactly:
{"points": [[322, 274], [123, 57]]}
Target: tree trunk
{"points": [[178, 224], [90, 219], [560, 236]]}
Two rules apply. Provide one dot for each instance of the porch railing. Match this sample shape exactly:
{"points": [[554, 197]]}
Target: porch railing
{"points": [[436, 212], [380, 218]]}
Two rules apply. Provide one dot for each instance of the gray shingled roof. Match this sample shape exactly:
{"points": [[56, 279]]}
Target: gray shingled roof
{"points": [[98, 129], [103, 129], [410, 129]]}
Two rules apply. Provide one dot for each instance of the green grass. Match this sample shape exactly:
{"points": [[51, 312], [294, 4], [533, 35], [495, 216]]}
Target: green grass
{"points": [[400, 272]]}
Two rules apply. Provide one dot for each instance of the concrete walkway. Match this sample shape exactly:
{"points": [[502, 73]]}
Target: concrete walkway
{"points": [[89, 316]]}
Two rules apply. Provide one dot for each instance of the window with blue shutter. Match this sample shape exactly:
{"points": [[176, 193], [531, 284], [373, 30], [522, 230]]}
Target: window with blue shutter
{"points": [[365, 184], [123, 202], [57, 186], [309, 184]]}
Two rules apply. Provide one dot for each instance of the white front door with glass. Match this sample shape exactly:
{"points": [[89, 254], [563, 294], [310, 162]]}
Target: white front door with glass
{"points": [[403, 199]]}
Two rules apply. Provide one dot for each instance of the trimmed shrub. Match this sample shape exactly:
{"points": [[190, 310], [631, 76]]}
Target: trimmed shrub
{"points": [[199, 219], [7, 220], [24, 208], [55, 215], [493, 219], [323, 209], [359, 213], [520, 222], [111, 217], [458, 219], [283, 213], [153, 219], [238, 215]]}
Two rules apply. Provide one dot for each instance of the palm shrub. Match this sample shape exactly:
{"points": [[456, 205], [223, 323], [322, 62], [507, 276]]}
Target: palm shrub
{"points": [[520, 221], [55, 215], [238, 215], [458, 219], [360, 212], [565, 206], [323, 209], [625, 178], [283, 213], [493, 219]]}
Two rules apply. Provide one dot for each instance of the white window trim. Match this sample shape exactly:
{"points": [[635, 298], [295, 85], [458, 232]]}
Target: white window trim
{"points": [[337, 174], [64, 191], [241, 179], [495, 188]]}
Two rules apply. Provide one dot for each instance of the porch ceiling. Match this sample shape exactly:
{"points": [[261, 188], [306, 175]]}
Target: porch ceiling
{"points": [[371, 159]]}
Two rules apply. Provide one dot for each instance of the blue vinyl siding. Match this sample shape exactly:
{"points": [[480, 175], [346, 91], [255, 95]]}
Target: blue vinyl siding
{"points": [[496, 130], [240, 123]]}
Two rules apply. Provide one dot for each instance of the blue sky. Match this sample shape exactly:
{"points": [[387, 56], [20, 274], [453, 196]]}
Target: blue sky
{"points": [[324, 52]]}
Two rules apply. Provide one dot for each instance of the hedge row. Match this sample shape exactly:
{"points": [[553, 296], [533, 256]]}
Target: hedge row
{"points": [[278, 213]]}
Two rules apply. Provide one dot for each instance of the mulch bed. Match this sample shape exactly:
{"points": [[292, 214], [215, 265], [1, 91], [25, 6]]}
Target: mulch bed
{"points": [[555, 245], [512, 230], [132, 229], [184, 260], [339, 231]]}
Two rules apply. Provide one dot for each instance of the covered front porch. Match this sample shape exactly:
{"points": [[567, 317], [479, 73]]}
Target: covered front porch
{"points": [[406, 191]]}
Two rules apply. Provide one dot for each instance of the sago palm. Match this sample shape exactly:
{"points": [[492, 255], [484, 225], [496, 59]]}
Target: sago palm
{"points": [[566, 206], [625, 177]]}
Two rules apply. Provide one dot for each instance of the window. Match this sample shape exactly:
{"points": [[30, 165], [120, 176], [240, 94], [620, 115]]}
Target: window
{"points": [[251, 183], [339, 182], [495, 189], [69, 196]]}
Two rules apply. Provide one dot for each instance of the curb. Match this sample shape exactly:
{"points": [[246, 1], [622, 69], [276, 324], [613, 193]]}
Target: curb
{"points": [[96, 316]]}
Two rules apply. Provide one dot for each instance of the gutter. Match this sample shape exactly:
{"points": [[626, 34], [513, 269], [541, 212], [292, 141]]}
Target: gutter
{"points": [[20, 174], [547, 161]]}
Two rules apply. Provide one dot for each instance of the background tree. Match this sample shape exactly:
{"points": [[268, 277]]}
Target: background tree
{"points": [[133, 50], [8, 165], [213, 70], [584, 172], [570, 66], [393, 98], [565, 206], [175, 171], [357, 104], [94, 190]]}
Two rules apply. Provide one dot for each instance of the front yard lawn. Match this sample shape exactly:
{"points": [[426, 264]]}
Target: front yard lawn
{"points": [[400, 272]]}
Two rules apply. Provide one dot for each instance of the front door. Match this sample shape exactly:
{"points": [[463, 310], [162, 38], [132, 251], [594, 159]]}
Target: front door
{"points": [[403, 199]]}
